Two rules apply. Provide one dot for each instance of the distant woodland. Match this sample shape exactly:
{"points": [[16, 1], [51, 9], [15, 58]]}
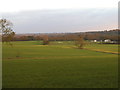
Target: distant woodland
{"points": [[113, 35]]}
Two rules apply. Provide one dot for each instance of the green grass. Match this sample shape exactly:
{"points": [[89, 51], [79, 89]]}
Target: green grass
{"points": [[28, 64], [103, 47]]}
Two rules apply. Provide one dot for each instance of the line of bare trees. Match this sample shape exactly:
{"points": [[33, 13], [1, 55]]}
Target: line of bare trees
{"points": [[67, 37]]}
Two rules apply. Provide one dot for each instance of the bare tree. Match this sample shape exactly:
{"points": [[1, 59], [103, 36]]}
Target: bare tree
{"points": [[80, 42], [45, 40], [6, 30]]}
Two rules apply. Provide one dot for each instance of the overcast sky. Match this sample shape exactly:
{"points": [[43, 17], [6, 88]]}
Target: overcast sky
{"points": [[48, 16]]}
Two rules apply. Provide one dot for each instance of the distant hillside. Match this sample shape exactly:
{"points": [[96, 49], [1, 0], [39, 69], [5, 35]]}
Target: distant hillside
{"points": [[96, 35], [105, 32]]}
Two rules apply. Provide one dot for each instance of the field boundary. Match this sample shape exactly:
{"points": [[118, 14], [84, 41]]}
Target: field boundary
{"points": [[109, 52]]}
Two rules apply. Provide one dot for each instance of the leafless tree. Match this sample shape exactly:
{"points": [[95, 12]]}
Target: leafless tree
{"points": [[80, 42], [6, 30], [45, 40]]}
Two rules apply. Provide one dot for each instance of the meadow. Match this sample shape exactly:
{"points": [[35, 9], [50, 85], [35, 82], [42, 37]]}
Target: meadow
{"points": [[29, 64]]}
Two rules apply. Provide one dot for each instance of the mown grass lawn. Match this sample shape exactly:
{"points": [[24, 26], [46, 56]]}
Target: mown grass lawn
{"points": [[28, 64]]}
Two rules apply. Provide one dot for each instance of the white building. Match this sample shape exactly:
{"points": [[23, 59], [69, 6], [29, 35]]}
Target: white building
{"points": [[94, 40], [107, 40]]}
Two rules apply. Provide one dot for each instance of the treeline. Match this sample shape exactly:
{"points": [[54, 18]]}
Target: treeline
{"points": [[113, 35]]}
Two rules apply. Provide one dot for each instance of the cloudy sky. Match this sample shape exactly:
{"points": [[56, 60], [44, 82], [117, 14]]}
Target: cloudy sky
{"points": [[51, 16]]}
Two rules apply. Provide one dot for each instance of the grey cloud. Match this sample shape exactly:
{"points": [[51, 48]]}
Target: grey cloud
{"points": [[48, 21]]}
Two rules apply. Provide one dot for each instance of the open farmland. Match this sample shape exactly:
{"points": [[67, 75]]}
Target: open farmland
{"points": [[106, 48], [28, 64]]}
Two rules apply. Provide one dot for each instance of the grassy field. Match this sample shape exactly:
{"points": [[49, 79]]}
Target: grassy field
{"points": [[28, 64], [109, 48]]}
